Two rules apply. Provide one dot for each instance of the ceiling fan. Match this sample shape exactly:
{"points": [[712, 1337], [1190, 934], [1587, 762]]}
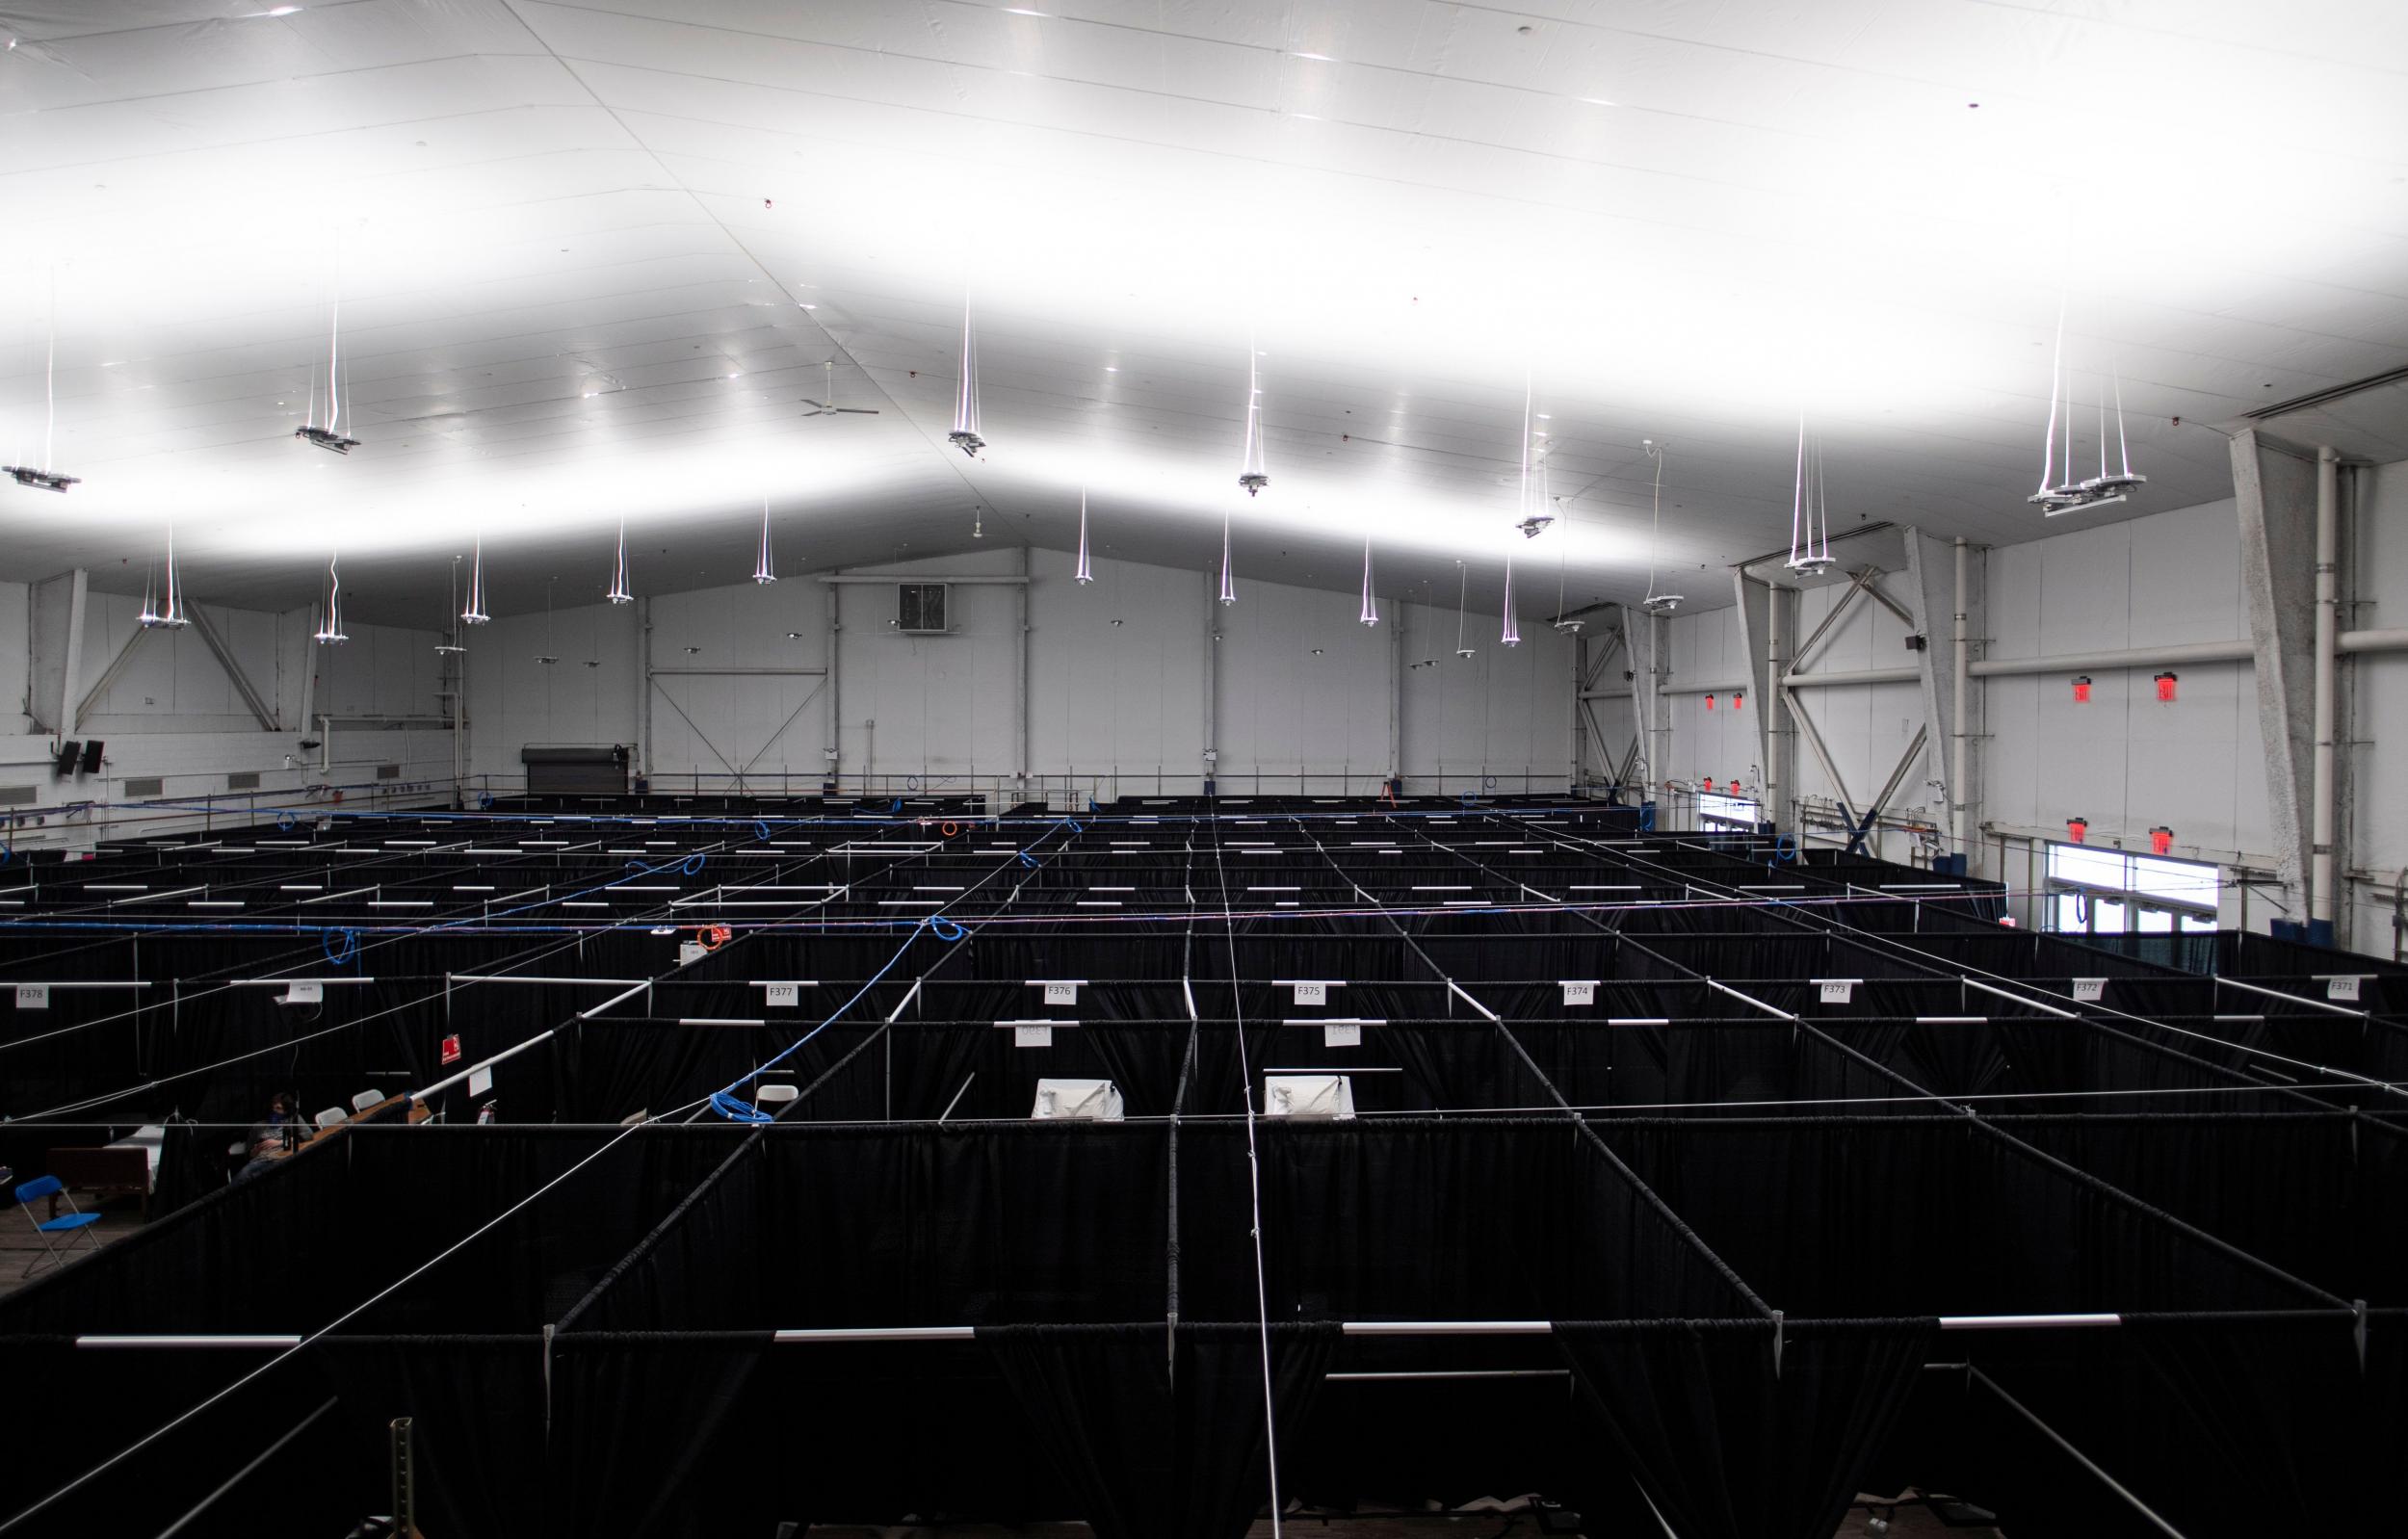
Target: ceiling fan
{"points": [[828, 407]]}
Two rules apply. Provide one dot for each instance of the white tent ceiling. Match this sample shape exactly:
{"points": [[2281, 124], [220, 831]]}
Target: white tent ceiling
{"points": [[592, 258]]}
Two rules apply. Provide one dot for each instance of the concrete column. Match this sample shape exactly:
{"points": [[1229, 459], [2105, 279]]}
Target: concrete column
{"points": [[2274, 491]]}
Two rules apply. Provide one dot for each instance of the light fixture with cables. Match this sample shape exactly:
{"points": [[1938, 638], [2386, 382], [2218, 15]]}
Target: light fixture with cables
{"points": [[1084, 573], [1656, 603], [1535, 513], [474, 613], [1810, 514], [1462, 600], [1252, 473], [619, 594], [765, 564], [965, 435], [42, 478], [331, 435], [1371, 606], [2059, 492], [451, 641], [172, 617], [1228, 580], [1513, 635], [329, 631]]}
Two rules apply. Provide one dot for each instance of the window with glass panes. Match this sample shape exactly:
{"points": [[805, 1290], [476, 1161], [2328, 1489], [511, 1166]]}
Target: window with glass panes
{"points": [[2110, 892]]}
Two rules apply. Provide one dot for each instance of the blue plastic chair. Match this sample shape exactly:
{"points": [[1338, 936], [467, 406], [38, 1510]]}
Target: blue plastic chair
{"points": [[74, 1221]]}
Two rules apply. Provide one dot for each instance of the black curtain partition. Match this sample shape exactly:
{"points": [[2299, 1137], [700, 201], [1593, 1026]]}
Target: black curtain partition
{"points": [[1732, 1441]]}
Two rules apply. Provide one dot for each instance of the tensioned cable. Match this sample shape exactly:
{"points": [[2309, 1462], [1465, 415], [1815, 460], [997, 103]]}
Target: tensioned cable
{"points": [[1255, 1186], [1945, 966], [353, 1313]]}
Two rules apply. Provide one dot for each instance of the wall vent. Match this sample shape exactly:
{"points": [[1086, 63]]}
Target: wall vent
{"points": [[388, 772], [243, 781], [920, 609], [152, 786], [17, 796]]}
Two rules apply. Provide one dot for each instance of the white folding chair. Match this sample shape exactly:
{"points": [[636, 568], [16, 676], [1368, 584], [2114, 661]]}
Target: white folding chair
{"points": [[366, 1098], [329, 1117]]}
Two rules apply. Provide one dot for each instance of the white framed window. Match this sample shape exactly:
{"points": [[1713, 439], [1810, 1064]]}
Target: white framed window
{"points": [[2109, 892]]}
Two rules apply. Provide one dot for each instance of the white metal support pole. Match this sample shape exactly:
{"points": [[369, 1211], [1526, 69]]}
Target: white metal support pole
{"points": [[835, 691], [644, 688], [1960, 745], [1774, 785], [1396, 691], [2321, 904], [1020, 677], [1212, 674]]}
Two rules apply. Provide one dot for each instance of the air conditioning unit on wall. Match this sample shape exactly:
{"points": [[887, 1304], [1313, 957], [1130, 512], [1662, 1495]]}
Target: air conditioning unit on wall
{"points": [[920, 609]]}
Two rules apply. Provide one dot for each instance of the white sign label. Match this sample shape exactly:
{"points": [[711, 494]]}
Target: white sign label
{"points": [[304, 993], [691, 952], [2341, 988], [1581, 993], [1312, 993], [1838, 990], [2089, 990], [1348, 1034], [784, 996], [33, 996], [1061, 993], [480, 1080], [1032, 1036]]}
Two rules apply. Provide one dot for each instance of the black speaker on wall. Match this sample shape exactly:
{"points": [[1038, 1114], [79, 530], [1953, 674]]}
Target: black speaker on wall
{"points": [[67, 754], [91, 757]]}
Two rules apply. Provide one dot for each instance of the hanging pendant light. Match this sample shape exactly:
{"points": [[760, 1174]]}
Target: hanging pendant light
{"points": [[1462, 600], [42, 478], [1656, 603], [1513, 635], [149, 618], [330, 620], [965, 435], [1534, 515], [1253, 474], [1810, 513], [1084, 573], [550, 654], [1228, 582], [171, 617], [331, 435], [765, 564], [619, 594], [451, 641], [475, 614], [1370, 607]]}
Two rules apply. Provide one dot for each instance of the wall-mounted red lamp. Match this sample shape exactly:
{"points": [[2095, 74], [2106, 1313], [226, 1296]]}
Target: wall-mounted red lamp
{"points": [[2165, 686], [1739, 699], [1710, 780], [2077, 829], [1710, 702], [2081, 689], [2160, 840]]}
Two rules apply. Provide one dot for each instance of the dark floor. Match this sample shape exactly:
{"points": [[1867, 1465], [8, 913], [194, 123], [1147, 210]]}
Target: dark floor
{"points": [[1906, 1522]]}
